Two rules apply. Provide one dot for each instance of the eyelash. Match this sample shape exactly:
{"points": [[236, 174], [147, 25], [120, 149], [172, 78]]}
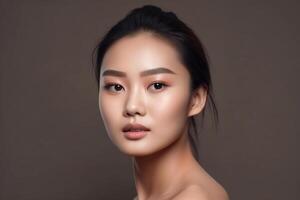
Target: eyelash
{"points": [[108, 86]]}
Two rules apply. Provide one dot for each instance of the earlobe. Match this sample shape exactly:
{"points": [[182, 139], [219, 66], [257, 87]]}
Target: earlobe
{"points": [[197, 102]]}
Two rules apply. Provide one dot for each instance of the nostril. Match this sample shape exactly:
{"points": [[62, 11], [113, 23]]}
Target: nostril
{"points": [[133, 112], [128, 113]]}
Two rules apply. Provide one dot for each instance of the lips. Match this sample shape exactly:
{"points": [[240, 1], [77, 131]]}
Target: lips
{"points": [[134, 127]]}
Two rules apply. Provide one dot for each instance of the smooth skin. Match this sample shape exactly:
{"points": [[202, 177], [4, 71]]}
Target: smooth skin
{"points": [[142, 92]]}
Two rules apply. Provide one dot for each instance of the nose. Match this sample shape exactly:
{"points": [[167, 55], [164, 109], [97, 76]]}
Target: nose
{"points": [[135, 104]]}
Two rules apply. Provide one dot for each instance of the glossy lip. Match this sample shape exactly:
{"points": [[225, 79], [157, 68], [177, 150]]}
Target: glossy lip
{"points": [[135, 135], [135, 131]]}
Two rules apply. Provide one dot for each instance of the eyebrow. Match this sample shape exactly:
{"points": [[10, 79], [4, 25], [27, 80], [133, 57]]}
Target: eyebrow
{"points": [[149, 72]]}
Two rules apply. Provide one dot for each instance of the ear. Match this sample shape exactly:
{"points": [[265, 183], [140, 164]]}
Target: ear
{"points": [[197, 101]]}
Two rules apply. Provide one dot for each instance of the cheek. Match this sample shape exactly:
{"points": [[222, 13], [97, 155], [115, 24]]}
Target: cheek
{"points": [[109, 108], [172, 109]]}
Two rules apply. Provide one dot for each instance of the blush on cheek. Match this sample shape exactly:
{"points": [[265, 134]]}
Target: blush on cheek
{"points": [[110, 107], [170, 106]]}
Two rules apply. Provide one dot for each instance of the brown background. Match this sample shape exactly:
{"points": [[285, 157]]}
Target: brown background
{"points": [[53, 143]]}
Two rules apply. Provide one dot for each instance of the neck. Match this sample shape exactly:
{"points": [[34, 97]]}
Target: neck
{"points": [[162, 173]]}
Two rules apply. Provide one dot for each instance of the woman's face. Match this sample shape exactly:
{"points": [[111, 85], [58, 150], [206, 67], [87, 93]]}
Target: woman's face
{"points": [[148, 86]]}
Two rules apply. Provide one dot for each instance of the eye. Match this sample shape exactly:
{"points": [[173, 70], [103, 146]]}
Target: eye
{"points": [[158, 86], [113, 87]]}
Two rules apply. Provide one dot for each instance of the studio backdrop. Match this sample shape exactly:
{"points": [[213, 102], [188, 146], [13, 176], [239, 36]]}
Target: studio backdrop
{"points": [[53, 145]]}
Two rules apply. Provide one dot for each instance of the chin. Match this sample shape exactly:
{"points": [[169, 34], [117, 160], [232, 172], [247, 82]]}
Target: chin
{"points": [[140, 149], [136, 149]]}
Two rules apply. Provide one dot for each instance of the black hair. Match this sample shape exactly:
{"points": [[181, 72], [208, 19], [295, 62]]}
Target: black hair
{"points": [[166, 25]]}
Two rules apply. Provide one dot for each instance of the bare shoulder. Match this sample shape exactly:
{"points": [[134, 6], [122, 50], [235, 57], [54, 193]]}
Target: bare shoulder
{"points": [[193, 193], [196, 192]]}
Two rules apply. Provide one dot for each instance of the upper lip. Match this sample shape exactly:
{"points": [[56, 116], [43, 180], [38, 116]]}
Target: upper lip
{"points": [[135, 127]]}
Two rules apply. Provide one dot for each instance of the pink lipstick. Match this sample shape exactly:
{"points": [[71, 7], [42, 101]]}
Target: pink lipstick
{"points": [[135, 131]]}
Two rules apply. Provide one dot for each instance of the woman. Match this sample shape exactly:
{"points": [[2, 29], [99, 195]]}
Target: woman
{"points": [[153, 79]]}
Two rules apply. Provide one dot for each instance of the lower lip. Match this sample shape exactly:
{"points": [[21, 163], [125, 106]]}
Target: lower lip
{"points": [[134, 135]]}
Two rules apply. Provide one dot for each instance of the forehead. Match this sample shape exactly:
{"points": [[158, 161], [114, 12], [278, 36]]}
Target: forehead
{"points": [[141, 52]]}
